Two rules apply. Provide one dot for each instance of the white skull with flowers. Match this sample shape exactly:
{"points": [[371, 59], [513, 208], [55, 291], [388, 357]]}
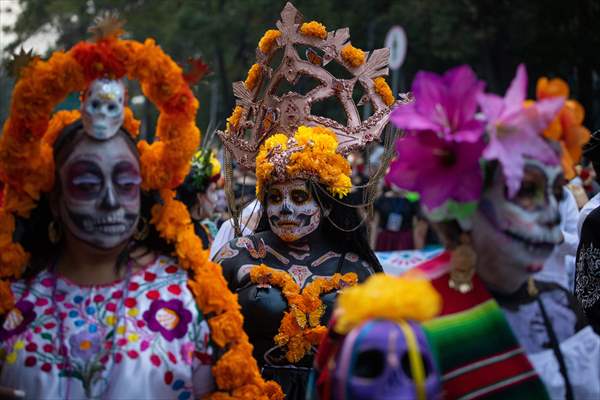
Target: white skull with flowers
{"points": [[102, 110]]}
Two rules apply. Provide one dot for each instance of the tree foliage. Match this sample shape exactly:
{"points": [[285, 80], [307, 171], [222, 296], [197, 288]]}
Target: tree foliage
{"points": [[554, 38]]}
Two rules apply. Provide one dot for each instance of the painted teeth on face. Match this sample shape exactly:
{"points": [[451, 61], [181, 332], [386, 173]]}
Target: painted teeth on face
{"points": [[530, 221], [292, 212], [100, 197]]}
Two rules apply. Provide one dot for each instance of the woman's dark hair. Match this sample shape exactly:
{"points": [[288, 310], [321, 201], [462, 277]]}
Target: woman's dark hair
{"points": [[351, 238], [32, 232]]}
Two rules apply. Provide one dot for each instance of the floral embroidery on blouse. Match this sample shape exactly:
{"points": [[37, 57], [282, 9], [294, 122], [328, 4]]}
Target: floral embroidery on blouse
{"points": [[157, 326]]}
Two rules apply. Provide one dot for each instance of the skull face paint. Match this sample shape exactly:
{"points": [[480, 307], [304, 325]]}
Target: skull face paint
{"points": [[99, 202], [520, 233], [292, 211], [374, 363], [102, 111]]}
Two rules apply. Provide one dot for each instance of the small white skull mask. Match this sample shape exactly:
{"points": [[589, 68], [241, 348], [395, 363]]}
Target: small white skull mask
{"points": [[103, 108]]}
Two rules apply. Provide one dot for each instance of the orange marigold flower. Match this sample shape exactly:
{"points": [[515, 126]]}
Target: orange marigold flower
{"points": [[59, 121], [353, 55], [226, 327], [314, 28], [567, 127], [130, 124], [384, 91], [7, 299], [234, 120], [232, 370], [253, 77], [268, 40], [13, 259]]}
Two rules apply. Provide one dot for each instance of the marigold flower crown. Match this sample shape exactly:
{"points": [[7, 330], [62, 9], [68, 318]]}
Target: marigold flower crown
{"points": [[261, 113], [309, 154], [27, 170]]}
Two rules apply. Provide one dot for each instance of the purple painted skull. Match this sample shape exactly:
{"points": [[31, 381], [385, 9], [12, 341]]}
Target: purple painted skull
{"points": [[373, 363]]}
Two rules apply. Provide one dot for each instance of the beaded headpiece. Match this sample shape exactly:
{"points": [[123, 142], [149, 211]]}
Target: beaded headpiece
{"points": [[261, 112]]}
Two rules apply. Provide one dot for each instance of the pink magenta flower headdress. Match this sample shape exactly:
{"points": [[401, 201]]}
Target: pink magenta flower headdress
{"points": [[447, 139]]}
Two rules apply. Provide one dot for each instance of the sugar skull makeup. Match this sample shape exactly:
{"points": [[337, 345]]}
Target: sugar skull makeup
{"points": [[100, 192], [102, 109], [521, 231], [374, 363], [292, 211]]}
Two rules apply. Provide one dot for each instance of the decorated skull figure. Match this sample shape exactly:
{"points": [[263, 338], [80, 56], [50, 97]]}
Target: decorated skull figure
{"points": [[374, 362], [520, 232], [102, 110]]}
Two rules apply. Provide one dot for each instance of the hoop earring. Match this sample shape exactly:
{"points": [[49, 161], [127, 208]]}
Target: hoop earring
{"points": [[54, 232], [462, 264], [141, 233]]}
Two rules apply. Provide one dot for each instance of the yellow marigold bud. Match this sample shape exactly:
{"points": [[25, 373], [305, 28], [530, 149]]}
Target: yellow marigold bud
{"points": [[353, 55], [234, 120], [384, 91], [268, 40], [313, 28], [253, 76]]}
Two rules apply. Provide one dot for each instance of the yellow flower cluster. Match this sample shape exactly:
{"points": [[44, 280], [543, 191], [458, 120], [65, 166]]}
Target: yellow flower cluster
{"points": [[378, 297], [27, 169], [234, 119], [268, 40], [384, 91], [353, 55], [317, 156], [253, 76], [313, 28], [300, 327]]}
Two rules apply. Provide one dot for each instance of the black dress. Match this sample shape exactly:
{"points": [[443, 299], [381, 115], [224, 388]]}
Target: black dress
{"points": [[587, 270], [263, 309]]}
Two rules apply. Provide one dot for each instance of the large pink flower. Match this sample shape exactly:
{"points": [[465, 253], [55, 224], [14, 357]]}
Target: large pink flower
{"points": [[441, 171], [515, 129], [443, 104]]}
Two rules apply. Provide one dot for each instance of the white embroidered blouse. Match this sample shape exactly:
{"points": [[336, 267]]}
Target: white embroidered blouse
{"points": [[140, 337]]}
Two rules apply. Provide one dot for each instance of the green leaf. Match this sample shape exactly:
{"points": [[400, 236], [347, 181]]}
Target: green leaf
{"points": [[47, 336]]}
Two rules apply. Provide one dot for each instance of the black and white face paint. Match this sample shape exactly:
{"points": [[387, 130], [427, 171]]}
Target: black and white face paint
{"points": [[521, 232], [100, 192], [292, 211]]}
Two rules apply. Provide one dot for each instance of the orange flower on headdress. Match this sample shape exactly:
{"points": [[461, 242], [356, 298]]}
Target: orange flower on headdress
{"points": [[353, 55], [567, 128]]}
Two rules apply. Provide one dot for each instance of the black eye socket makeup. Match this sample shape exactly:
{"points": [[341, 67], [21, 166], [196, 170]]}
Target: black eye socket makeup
{"points": [[300, 196], [275, 196]]}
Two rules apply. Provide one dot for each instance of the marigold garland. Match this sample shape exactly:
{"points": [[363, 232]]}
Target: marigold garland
{"points": [[253, 76], [317, 157], [234, 119], [300, 327], [384, 91], [567, 128], [268, 40], [27, 170], [353, 55], [314, 28]]}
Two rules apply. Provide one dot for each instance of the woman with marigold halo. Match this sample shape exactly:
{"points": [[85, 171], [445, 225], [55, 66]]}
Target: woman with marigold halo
{"points": [[92, 303]]}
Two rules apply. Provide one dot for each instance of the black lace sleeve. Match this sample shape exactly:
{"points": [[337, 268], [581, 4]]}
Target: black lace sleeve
{"points": [[587, 275]]}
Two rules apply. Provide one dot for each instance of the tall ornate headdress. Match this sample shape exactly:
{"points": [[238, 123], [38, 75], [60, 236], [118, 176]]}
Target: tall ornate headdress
{"points": [[262, 111], [27, 170]]}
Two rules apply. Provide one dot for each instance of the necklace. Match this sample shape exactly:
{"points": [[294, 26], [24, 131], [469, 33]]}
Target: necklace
{"points": [[62, 348]]}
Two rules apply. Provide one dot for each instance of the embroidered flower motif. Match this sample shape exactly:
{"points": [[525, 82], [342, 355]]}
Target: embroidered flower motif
{"points": [[85, 345], [17, 320], [170, 318], [187, 353]]}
